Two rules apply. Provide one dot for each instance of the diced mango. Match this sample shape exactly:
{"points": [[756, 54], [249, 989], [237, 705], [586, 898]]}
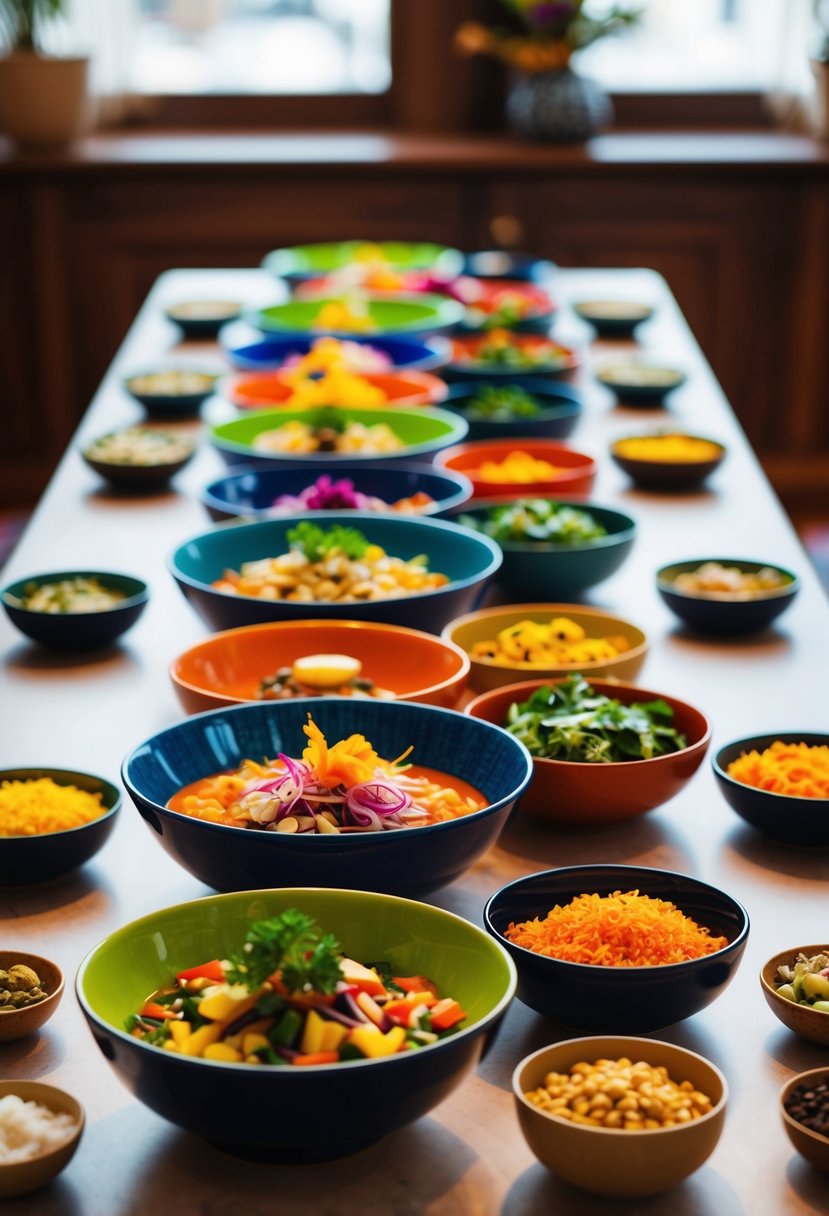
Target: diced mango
{"points": [[179, 1031], [371, 1041], [195, 1044], [225, 1001], [395, 1038], [170, 1045], [333, 1036], [253, 1042], [312, 1034], [221, 1051]]}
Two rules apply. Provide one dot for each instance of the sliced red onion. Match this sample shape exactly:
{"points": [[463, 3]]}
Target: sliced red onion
{"points": [[376, 797]]}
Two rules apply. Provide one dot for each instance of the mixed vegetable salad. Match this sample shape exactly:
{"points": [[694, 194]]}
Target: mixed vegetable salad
{"points": [[537, 519]]}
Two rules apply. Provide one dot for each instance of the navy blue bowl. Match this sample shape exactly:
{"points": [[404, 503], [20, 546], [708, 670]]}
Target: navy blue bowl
{"points": [[802, 821], [26, 860], [560, 404], [717, 614], [467, 558], [171, 405], [499, 264], [251, 492], [205, 324], [363, 1100], [76, 630], [629, 392], [271, 353], [621, 1000], [405, 861], [611, 324]]}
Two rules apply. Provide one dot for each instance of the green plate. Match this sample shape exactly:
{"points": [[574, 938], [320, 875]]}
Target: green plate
{"points": [[390, 314], [310, 260]]}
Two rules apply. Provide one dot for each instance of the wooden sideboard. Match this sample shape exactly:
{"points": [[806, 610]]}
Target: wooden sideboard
{"points": [[737, 223]]}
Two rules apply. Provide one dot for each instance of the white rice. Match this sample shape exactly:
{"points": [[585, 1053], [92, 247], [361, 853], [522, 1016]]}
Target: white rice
{"points": [[28, 1129]]}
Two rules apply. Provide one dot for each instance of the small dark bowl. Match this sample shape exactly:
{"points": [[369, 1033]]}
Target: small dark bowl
{"points": [[76, 630], [498, 264], [723, 615], [632, 393], [167, 404], [427, 355], [18, 1023], [202, 319], [560, 404], [26, 860], [138, 476], [801, 821], [404, 861], [668, 474], [621, 1000], [607, 322], [250, 493], [810, 1144]]}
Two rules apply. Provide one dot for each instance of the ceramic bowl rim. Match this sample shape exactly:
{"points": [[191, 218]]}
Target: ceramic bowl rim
{"points": [[646, 311], [347, 841], [572, 355], [8, 598], [666, 969], [46, 1090], [775, 961], [604, 376], [122, 466], [751, 743], [108, 812], [314, 622], [445, 311], [491, 568], [320, 1069], [570, 404], [641, 1045], [434, 346], [213, 377], [286, 252], [627, 532], [169, 311], [774, 593]]}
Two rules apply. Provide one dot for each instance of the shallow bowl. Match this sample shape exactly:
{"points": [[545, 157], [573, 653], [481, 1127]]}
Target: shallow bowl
{"points": [[576, 794], [468, 559], [620, 1164], [226, 668], [250, 493], [27, 860], [486, 623], [23, 1177], [404, 861], [619, 1000], [613, 318], [575, 476], [465, 365], [160, 401], [76, 631], [269, 390], [17, 1023], [391, 315], [560, 409], [138, 476], [725, 615], [202, 319], [811, 1145], [784, 817], [425, 355], [296, 263], [809, 1023], [668, 474], [627, 380]]}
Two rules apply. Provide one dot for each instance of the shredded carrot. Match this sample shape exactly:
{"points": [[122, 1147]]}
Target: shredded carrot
{"points": [[795, 769], [618, 930]]}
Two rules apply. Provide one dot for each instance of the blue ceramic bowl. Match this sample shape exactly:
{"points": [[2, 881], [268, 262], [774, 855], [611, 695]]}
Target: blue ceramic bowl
{"points": [[720, 614], [26, 860], [621, 1000], [404, 861], [271, 353], [424, 431], [467, 558], [76, 630], [560, 405], [239, 1106], [801, 821], [251, 492], [537, 570], [498, 264]]}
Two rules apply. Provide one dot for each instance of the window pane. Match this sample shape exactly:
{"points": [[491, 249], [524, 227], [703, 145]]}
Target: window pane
{"points": [[262, 46]]}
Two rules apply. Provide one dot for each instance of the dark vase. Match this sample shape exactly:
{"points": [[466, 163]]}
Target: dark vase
{"points": [[558, 107]]}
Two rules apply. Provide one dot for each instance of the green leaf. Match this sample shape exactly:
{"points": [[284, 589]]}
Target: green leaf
{"points": [[294, 945], [318, 543]]}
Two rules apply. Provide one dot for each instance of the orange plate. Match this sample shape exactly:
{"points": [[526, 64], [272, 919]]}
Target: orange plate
{"points": [[227, 667], [265, 390], [467, 458]]}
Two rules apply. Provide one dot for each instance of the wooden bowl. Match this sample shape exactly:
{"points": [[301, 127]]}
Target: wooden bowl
{"points": [[17, 1023], [22, 1177], [811, 1024], [811, 1145]]}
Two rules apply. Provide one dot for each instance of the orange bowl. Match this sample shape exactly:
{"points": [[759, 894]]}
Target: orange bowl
{"points": [[578, 794], [266, 390], [226, 668], [576, 476]]}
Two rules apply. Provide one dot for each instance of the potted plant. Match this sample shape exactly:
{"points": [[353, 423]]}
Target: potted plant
{"points": [[42, 97], [547, 99]]}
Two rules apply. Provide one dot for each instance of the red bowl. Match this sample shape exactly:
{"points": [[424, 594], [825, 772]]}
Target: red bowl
{"points": [[266, 390], [580, 795], [576, 479]]}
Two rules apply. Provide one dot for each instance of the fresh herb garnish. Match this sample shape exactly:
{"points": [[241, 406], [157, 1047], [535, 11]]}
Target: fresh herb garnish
{"points": [[570, 721], [317, 543], [292, 944], [502, 404], [537, 519]]}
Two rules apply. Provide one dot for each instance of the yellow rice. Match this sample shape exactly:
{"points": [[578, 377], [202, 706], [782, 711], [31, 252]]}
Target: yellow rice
{"points": [[31, 808]]}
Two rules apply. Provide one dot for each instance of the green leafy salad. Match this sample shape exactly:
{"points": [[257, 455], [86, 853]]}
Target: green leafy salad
{"points": [[501, 404], [537, 519], [571, 721]]}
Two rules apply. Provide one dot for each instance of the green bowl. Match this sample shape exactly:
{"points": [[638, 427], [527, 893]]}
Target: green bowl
{"points": [[405, 315], [300, 262], [329, 1110]]}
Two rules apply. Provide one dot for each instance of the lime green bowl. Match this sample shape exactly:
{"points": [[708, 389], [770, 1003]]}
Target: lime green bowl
{"points": [[299, 262], [394, 314], [290, 1113]]}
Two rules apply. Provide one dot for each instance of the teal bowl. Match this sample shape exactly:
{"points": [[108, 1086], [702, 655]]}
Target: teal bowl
{"points": [[469, 560], [392, 315], [285, 1113], [538, 570], [424, 431], [76, 631]]}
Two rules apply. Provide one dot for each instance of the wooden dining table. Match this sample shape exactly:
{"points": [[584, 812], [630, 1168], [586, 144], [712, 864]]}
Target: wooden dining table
{"points": [[468, 1156]]}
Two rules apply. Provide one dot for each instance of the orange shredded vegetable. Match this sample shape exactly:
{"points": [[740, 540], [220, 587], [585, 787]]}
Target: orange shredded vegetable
{"points": [[796, 769], [618, 930]]}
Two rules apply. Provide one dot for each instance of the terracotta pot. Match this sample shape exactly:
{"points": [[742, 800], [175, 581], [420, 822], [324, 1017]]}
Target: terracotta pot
{"points": [[42, 99]]}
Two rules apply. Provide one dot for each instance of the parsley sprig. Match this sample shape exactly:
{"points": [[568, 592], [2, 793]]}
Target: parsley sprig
{"points": [[318, 543], [292, 944]]}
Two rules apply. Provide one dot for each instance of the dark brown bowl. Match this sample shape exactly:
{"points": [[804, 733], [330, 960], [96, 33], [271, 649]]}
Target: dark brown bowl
{"points": [[669, 474], [17, 1023], [811, 1145]]}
